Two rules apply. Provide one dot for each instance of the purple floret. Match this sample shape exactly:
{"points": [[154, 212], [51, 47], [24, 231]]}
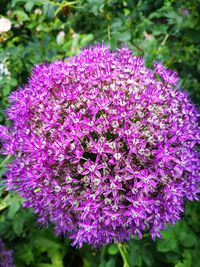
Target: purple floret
{"points": [[6, 256], [104, 147]]}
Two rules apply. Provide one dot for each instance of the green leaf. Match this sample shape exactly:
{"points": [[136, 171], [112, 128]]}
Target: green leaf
{"points": [[29, 5], [102, 264], [121, 36], [110, 263], [48, 11], [6, 89], [147, 256], [86, 263], [135, 259], [3, 204], [14, 2], [25, 253], [95, 6], [172, 257], [165, 245], [18, 225], [86, 39], [56, 258], [14, 207], [188, 240], [135, 249], [45, 243], [112, 249], [167, 242], [21, 15], [13, 82], [187, 260], [184, 235], [116, 24]]}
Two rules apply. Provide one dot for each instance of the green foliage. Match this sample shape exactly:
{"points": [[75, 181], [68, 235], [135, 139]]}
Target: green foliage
{"points": [[43, 30]]}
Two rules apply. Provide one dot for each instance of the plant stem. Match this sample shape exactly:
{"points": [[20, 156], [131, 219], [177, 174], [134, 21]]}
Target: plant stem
{"points": [[163, 41], [121, 250]]}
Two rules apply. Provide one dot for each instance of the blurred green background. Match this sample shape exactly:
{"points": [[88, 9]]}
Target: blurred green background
{"points": [[44, 30]]}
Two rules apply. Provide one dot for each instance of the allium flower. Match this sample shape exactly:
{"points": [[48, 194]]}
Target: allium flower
{"points": [[104, 147], [5, 25], [6, 256]]}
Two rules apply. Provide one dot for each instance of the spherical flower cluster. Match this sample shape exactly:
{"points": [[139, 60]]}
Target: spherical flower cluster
{"points": [[6, 256], [104, 147]]}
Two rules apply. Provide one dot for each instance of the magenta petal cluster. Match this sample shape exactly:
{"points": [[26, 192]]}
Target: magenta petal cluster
{"points": [[6, 256], [104, 147]]}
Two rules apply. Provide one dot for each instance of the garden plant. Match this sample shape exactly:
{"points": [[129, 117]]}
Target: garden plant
{"points": [[99, 133]]}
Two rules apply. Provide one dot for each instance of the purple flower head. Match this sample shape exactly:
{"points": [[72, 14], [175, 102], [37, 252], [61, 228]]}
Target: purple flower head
{"points": [[104, 148], [6, 256]]}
